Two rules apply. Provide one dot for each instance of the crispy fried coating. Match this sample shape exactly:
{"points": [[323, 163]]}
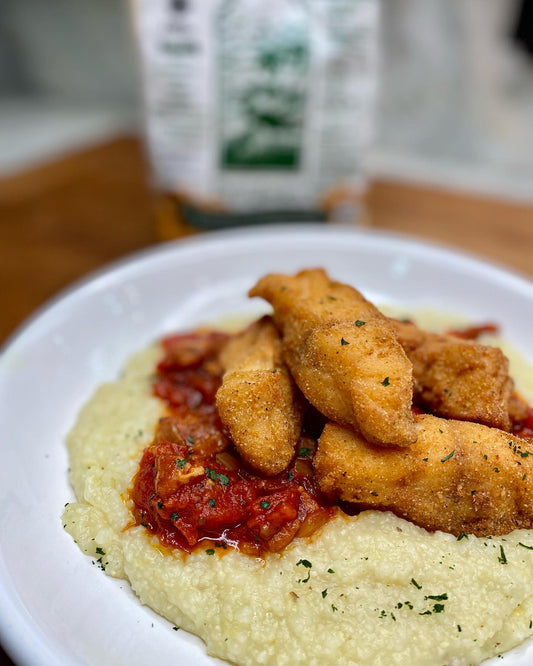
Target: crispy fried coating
{"points": [[258, 401], [343, 354], [458, 378], [457, 477]]}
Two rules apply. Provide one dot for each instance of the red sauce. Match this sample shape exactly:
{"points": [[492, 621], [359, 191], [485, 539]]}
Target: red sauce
{"points": [[474, 332], [193, 490], [524, 428]]}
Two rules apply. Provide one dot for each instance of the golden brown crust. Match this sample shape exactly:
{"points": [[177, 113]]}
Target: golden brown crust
{"points": [[343, 354], [258, 401], [457, 477], [457, 378]]}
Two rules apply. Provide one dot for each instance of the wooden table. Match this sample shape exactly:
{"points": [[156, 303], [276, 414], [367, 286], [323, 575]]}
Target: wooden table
{"points": [[64, 219]]}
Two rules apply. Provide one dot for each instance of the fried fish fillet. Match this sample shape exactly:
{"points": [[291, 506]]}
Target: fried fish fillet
{"points": [[457, 477], [343, 354], [258, 401], [458, 378]]}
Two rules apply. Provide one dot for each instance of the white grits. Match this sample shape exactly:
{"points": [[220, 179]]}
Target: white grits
{"points": [[367, 599]]}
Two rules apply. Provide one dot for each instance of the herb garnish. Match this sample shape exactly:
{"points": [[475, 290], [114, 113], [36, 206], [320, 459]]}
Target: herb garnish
{"points": [[358, 322], [344, 342], [385, 382], [307, 565], [447, 457], [502, 559], [181, 462], [223, 479], [304, 563]]}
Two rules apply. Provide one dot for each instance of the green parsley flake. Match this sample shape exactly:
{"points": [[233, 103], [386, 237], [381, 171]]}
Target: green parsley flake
{"points": [[190, 439], [181, 462], [304, 563], [502, 559], [174, 516], [324, 593], [519, 543], [413, 582], [447, 457], [223, 479], [358, 322], [210, 551], [264, 504], [307, 565], [344, 342], [385, 382], [304, 452], [462, 535], [100, 551], [212, 502], [331, 571]]}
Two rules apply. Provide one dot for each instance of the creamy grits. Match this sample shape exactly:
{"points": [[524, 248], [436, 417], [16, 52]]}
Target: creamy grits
{"points": [[371, 589]]}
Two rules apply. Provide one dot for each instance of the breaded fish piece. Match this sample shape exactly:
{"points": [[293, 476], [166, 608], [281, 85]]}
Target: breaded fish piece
{"points": [[258, 402], [457, 477], [343, 354], [458, 378]]}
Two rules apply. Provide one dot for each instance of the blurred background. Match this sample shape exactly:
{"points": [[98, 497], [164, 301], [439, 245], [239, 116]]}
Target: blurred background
{"points": [[455, 105], [450, 159]]}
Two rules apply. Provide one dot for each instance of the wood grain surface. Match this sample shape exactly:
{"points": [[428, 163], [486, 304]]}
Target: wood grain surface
{"points": [[62, 220]]}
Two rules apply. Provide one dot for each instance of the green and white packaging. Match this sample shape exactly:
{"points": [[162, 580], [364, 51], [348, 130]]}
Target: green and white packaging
{"points": [[260, 109]]}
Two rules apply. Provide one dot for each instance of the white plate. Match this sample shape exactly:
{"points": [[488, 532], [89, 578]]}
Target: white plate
{"points": [[55, 607]]}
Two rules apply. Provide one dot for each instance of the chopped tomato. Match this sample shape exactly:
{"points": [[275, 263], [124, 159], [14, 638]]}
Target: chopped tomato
{"points": [[192, 485]]}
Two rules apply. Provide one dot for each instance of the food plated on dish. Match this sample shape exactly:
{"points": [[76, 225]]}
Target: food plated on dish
{"points": [[327, 485]]}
